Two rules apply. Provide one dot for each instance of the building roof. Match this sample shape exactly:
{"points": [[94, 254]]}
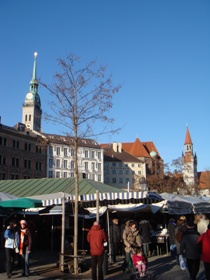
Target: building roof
{"points": [[137, 149], [188, 138], [33, 187], [204, 179], [111, 155]]}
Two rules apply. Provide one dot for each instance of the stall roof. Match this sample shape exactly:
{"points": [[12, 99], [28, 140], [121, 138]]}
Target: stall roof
{"points": [[34, 187]]}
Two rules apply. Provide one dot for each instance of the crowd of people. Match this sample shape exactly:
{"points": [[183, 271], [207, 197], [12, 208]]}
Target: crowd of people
{"points": [[189, 239]]}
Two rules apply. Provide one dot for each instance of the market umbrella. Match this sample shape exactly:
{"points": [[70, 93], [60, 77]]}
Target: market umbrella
{"points": [[21, 203]]}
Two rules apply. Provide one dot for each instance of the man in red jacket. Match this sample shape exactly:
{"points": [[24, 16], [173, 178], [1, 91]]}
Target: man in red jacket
{"points": [[96, 237]]}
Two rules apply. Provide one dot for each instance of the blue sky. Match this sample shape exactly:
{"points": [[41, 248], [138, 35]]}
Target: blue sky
{"points": [[158, 50]]}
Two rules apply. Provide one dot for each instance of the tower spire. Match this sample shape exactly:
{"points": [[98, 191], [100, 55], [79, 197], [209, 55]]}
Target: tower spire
{"points": [[34, 82]]}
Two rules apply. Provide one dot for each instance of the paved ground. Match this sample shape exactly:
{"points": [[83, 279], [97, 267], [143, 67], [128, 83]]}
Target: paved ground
{"points": [[44, 266]]}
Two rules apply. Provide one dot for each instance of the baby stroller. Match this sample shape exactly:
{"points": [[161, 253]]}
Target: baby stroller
{"points": [[134, 273]]}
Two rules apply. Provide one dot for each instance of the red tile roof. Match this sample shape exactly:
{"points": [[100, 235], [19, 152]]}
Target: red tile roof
{"points": [[188, 138]]}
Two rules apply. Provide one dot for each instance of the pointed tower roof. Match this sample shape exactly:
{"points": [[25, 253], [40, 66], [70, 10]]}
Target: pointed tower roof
{"points": [[188, 138], [34, 81], [136, 149]]}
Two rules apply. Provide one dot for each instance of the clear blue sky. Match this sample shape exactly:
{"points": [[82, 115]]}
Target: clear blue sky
{"points": [[158, 50]]}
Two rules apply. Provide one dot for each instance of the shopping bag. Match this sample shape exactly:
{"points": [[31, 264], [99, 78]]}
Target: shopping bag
{"points": [[182, 262]]}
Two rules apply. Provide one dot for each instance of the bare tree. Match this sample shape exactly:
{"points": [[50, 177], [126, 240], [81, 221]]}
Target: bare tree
{"points": [[82, 98]]}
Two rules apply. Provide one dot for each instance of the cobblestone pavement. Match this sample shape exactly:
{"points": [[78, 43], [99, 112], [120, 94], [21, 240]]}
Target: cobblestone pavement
{"points": [[43, 265]]}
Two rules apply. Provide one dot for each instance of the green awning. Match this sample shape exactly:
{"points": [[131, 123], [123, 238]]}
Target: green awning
{"points": [[21, 203]]}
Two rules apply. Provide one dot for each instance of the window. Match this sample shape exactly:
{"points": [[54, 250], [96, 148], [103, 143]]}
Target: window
{"points": [[15, 144], [50, 174], [139, 172], [139, 164], [113, 171], [50, 163], [65, 151], [99, 155], [114, 164], [65, 174], [86, 165], [2, 160], [57, 174], [72, 152], [127, 180], [93, 166], [132, 164], [26, 118], [58, 150], [93, 154], [120, 164], [93, 177], [50, 150], [106, 171], [65, 163], [121, 180], [86, 154], [58, 164], [29, 118], [114, 181], [72, 165], [106, 180], [120, 171], [99, 166], [126, 171], [99, 177], [72, 174]]}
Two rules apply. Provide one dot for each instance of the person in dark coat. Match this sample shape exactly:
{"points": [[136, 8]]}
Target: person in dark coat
{"points": [[96, 238], [115, 238], [172, 240], [189, 248], [145, 232]]}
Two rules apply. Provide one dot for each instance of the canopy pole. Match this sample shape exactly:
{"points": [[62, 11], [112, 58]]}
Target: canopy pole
{"points": [[108, 230], [97, 205], [62, 235]]}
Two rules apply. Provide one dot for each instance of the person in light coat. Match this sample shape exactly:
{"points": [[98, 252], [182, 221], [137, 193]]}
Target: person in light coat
{"points": [[11, 246]]}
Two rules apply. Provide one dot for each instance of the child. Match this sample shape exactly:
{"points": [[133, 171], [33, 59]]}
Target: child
{"points": [[139, 262]]}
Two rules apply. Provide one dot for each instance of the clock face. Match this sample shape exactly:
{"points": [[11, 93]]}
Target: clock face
{"points": [[29, 95]]}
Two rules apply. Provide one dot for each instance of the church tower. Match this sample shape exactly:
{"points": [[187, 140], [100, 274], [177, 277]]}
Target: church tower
{"points": [[31, 109], [189, 161]]}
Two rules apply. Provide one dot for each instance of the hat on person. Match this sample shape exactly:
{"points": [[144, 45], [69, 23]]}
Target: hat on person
{"points": [[182, 218], [23, 222]]}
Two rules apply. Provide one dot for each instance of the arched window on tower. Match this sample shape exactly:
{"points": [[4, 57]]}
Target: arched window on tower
{"points": [[25, 118], [29, 118]]}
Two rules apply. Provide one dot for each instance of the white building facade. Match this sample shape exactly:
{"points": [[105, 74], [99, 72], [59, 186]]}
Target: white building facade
{"points": [[61, 158]]}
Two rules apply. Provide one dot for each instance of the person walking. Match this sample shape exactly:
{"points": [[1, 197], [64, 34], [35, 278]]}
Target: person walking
{"points": [[172, 240], [190, 250], [145, 232], [115, 238], [25, 247], [204, 240], [11, 246], [96, 238], [179, 230]]}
